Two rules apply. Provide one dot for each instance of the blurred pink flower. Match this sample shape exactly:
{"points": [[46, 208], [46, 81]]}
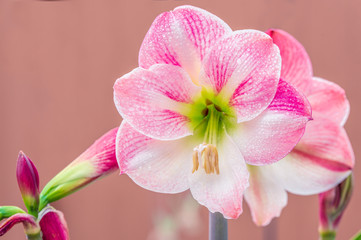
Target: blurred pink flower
{"points": [[323, 157], [203, 102]]}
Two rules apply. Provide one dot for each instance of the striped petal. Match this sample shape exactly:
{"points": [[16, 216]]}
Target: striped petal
{"points": [[328, 100], [245, 68], [222, 193], [181, 37], [160, 166], [151, 100], [296, 64], [321, 160], [272, 135]]}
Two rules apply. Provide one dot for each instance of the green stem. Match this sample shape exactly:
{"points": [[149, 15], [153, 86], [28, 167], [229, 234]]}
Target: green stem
{"points": [[218, 229], [328, 235], [34, 236]]}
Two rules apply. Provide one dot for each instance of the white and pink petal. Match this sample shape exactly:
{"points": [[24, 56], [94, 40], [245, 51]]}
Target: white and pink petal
{"points": [[160, 166], [265, 196], [151, 100], [273, 134], [328, 100], [296, 64], [224, 192], [182, 37], [321, 160], [244, 67]]}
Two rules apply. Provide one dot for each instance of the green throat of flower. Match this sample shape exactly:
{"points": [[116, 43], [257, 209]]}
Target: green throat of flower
{"points": [[210, 118]]}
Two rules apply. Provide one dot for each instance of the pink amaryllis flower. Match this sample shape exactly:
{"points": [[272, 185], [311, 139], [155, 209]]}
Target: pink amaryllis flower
{"points": [[322, 158], [204, 101]]}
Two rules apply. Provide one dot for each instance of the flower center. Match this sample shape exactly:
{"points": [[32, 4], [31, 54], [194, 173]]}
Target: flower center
{"points": [[206, 154], [211, 117]]}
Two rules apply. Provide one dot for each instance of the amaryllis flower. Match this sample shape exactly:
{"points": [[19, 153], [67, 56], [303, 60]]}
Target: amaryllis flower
{"points": [[322, 158], [204, 101]]}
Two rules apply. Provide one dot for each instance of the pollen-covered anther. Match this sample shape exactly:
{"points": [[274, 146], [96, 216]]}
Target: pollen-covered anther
{"points": [[208, 155]]}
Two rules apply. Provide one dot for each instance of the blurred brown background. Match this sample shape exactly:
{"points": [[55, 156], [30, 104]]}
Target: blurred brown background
{"points": [[58, 63]]}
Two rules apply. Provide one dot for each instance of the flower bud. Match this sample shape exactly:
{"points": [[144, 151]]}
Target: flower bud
{"points": [[28, 181], [98, 160], [31, 226], [53, 224], [332, 205], [8, 211]]}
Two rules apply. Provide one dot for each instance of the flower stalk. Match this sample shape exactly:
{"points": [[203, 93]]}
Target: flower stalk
{"points": [[218, 227]]}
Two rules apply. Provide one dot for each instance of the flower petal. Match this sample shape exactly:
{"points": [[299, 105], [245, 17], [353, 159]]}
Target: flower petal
{"points": [[53, 225], [150, 100], [265, 196], [181, 37], [321, 160], [222, 193], [273, 134], [27, 220], [160, 166], [296, 64], [328, 100], [245, 68]]}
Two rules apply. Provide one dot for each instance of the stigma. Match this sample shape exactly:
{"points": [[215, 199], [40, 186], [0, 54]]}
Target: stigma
{"points": [[206, 156]]}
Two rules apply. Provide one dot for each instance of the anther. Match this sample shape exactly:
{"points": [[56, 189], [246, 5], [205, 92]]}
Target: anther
{"points": [[208, 154], [208, 102], [205, 112], [195, 162]]}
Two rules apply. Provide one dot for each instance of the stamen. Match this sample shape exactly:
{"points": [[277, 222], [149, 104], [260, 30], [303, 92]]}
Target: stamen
{"points": [[195, 162], [208, 154]]}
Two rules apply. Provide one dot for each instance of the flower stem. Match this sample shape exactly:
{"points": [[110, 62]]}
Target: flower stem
{"points": [[218, 228], [270, 231], [36, 236], [327, 235]]}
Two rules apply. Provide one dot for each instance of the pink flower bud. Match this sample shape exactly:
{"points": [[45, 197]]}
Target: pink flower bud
{"points": [[28, 181], [53, 224], [333, 204], [98, 160]]}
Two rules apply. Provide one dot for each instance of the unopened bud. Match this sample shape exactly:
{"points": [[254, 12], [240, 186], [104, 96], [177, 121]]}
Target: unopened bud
{"points": [[332, 205], [28, 181], [97, 161]]}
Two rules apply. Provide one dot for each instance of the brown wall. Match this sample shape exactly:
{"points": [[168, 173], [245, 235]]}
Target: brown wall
{"points": [[58, 63]]}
